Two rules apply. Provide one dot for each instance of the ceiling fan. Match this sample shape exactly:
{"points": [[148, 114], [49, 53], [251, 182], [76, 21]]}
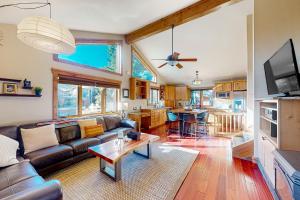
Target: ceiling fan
{"points": [[173, 59]]}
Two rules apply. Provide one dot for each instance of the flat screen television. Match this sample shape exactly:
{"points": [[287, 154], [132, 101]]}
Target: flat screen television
{"points": [[281, 70]]}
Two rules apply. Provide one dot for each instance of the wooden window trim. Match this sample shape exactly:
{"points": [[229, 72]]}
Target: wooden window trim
{"points": [[60, 73], [146, 64], [95, 41]]}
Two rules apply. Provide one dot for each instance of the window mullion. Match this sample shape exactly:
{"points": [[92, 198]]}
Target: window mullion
{"points": [[103, 101], [80, 100]]}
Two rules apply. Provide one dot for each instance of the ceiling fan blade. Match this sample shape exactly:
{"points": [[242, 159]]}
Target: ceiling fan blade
{"points": [[179, 66], [162, 65], [187, 59]]}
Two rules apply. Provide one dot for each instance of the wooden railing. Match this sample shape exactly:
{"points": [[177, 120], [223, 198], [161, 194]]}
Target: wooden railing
{"points": [[226, 123]]}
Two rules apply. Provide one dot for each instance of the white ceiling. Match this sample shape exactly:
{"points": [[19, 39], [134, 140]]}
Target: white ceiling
{"points": [[218, 40], [106, 16]]}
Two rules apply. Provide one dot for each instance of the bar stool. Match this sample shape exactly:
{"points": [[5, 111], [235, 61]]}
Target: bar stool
{"points": [[172, 127], [202, 123], [190, 121]]}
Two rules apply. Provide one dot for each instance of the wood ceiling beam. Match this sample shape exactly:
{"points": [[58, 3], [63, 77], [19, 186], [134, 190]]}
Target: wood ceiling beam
{"points": [[196, 10]]}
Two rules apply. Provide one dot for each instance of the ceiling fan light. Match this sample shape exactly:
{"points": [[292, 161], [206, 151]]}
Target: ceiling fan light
{"points": [[172, 62], [46, 34]]}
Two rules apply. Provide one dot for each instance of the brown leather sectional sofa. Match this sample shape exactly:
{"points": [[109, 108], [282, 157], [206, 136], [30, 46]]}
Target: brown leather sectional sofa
{"points": [[24, 181]]}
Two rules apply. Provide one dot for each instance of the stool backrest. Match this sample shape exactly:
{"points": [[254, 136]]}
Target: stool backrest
{"points": [[171, 117]]}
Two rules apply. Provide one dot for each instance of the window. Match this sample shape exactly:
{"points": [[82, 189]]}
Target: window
{"points": [[91, 99], [95, 54], [111, 100], [196, 98], [208, 98], [67, 100], [202, 98], [140, 69], [78, 94], [154, 96]]}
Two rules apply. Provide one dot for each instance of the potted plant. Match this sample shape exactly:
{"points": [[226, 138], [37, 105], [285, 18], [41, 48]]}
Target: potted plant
{"points": [[38, 91]]}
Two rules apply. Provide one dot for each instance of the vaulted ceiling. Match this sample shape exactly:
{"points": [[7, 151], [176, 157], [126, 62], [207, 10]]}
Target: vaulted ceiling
{"points": [[106, 16], [218, 40]]}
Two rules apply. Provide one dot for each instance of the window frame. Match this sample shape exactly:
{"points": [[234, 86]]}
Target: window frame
{"points": [[151, 95], [135, 51], [201, 96], [96, 41], [115, 84]]}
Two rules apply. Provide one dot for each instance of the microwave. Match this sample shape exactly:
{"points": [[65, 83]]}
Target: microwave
{"points": [[223, 95]]}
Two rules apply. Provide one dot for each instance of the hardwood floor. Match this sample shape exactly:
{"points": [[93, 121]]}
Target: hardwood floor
{"points": [[215, 174]]}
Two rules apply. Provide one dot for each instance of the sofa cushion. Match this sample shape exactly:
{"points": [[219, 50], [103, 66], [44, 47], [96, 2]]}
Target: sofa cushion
{"points": [[16, 173], [39, 138], [107, 136], [127, 123], [93, 131], [112, 122], [21, 186], [84, 123], [81, 145], [112, 134], [48, 156], [8, 151], [68, 133], [100, 120], [9, 131]]}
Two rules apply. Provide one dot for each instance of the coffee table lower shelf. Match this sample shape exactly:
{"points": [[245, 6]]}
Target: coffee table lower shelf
{"points": [[114, 169]]}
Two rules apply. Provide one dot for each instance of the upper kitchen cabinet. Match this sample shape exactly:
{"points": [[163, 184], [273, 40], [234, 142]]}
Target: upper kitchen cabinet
{"points": [[182, 93], [139, 89], [228, 86], [240, 85], [170, 92]]}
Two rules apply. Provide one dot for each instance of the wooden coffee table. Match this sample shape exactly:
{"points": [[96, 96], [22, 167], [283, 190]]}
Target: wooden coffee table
{"points": [[111, 152]]}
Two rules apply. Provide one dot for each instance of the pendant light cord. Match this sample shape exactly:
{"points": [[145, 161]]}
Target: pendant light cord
{"points": [[30, 4]]}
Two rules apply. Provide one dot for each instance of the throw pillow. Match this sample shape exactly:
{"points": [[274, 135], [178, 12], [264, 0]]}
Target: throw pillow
{"points": [[93, 131], [84, 123], [39, 138], [8, 151]]}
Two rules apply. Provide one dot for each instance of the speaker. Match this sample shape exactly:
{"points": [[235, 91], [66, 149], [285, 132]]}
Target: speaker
{"points": [[273, 130], [274, 115]]}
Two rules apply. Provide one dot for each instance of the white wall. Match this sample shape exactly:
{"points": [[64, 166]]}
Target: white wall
{"points": [[18, 61], [275, 21], [250, 83]]}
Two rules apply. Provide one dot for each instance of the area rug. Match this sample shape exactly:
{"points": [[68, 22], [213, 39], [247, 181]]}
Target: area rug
{"points": [[157, 178]]}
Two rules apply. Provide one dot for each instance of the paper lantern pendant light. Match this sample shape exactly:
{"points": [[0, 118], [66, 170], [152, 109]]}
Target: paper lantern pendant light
{"points": [[46, 34]]}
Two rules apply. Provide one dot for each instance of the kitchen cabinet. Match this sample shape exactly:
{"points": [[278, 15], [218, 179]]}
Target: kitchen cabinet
{"points": [[170, 92], [240, 85], [156, 118], [139, 89], [182, 93], [223, 87], [267, 158], [236, 85]]}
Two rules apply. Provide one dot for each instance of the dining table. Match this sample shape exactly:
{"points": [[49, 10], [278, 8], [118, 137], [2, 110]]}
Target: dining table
{"points": [[181, 111]]}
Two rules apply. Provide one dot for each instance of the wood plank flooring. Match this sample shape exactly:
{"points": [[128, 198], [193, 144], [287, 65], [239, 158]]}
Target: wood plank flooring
{"points": [[215, 175]]}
